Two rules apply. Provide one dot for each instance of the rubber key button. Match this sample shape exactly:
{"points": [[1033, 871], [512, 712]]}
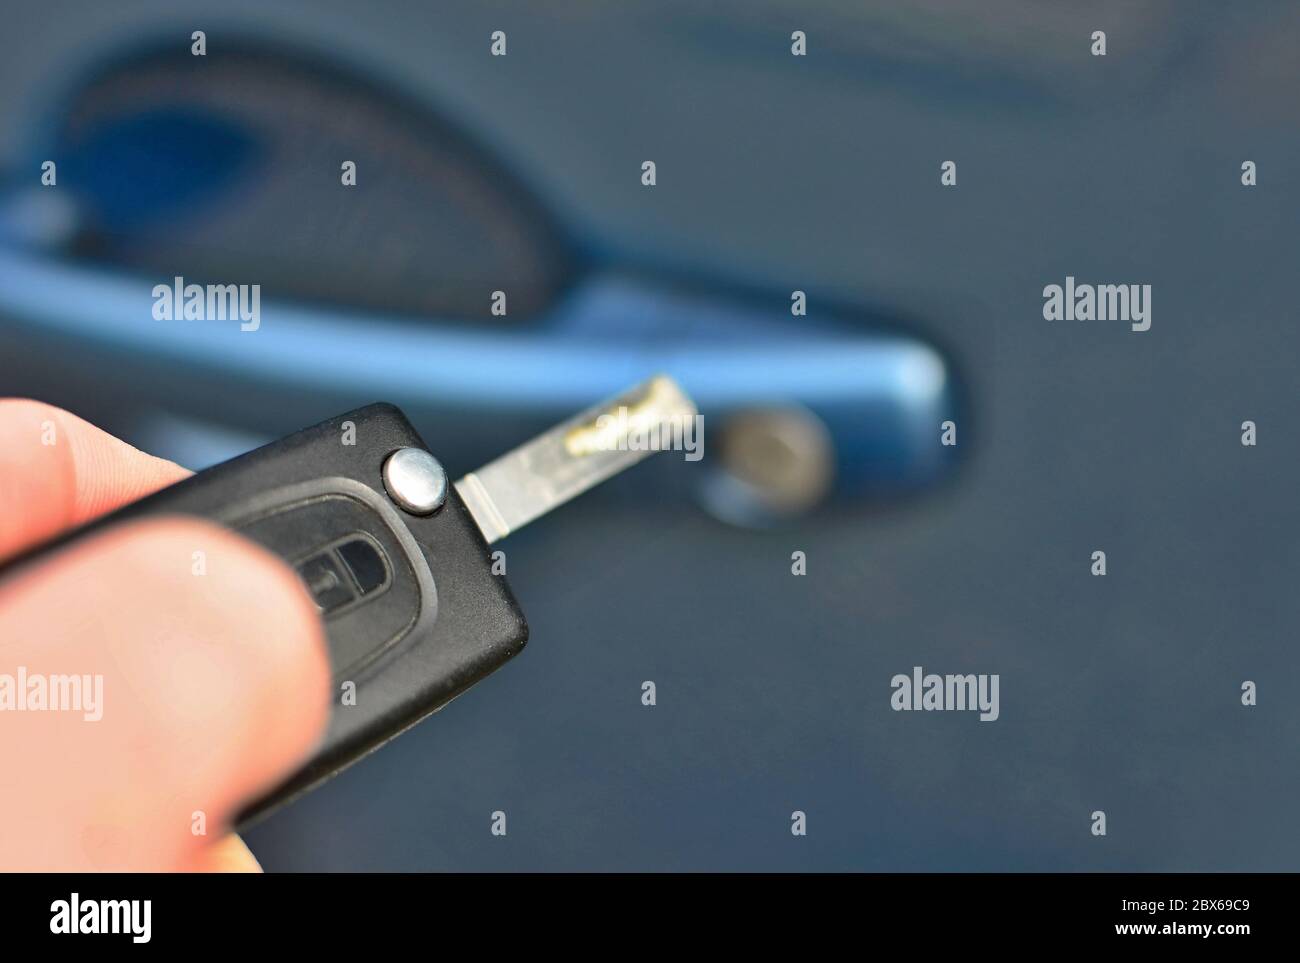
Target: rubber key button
{"points": [[327, 584], [365, 563]]}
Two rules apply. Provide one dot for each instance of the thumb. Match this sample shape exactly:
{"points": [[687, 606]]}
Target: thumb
{"points": [[181, 671]]}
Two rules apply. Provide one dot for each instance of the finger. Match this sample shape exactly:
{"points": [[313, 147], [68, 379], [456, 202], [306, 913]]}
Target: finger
{"points": [[61, 471], [228, 855], [208, 660]]}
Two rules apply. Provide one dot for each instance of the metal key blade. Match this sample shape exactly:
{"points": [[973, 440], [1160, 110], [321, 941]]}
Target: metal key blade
{"points": [[578, 454]]}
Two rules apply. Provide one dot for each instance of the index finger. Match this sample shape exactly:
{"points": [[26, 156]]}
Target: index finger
{"points": [[58, 471]]}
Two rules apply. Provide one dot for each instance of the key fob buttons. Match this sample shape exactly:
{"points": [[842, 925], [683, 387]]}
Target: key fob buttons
{"points": [[348, 543]]}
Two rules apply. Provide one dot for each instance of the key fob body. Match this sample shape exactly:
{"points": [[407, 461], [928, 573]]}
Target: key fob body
{"points": [[412, 611]]}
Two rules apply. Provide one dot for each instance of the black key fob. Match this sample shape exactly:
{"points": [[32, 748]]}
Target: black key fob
{"points": [[395, 558], [412, 611]]}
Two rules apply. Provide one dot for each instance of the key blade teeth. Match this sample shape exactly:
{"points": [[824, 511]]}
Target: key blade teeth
{"points": [[577, 454], [609, 426]]}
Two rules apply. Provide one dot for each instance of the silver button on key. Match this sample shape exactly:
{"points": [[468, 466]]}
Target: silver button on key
{"points": [[415, 480]]}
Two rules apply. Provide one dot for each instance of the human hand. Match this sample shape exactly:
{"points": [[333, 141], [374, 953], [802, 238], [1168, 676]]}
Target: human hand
{"points": [[215, 679]]}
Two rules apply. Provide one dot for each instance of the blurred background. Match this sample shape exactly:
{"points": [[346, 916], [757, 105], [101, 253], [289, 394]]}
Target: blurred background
{"points": [[775, 174]]}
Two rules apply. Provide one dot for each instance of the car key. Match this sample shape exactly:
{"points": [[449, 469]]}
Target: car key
{"points": [[395, 557]]}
